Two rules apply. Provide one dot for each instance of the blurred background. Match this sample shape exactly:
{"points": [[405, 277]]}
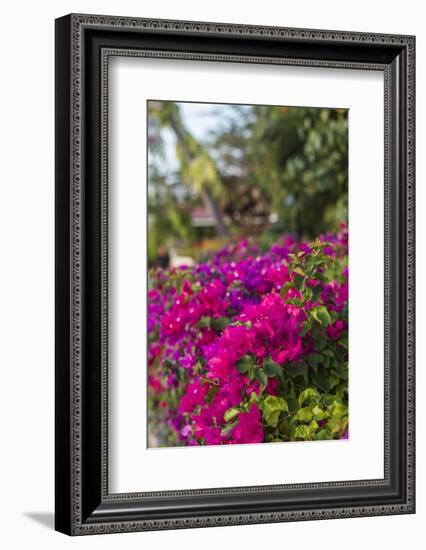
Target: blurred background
{"points": [[217, 173]]}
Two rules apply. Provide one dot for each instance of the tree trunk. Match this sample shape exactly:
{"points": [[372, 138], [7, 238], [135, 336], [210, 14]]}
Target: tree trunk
{"points": [[212, 206], [206, 195]]}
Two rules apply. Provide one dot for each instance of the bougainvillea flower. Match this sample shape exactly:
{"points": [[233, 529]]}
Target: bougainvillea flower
{"points": [[249, 428], [225, 335]]}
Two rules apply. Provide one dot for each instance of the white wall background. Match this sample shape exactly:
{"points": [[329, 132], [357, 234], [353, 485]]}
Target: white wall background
{"points": [[26, 289]]}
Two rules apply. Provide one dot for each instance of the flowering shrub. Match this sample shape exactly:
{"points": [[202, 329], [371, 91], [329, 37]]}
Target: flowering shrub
{"points": [[250, 347]]}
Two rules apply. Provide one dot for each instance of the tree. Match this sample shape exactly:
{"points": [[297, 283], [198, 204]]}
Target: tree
{"points": [[263, 170], [197, 167], [300, 156]]}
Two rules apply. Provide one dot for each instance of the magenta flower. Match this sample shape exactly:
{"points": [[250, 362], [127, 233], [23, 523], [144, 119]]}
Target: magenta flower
{"points": [[249, 428], [214, 328], [194, 396], [335, 330]]}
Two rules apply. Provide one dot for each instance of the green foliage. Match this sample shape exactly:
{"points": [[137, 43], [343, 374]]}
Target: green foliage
{"points": [[321, 315], [272, 407], [301, 156], [315, 390], [260, 376], [230, 414], [271, 369], [245, 363], [289, 162]]}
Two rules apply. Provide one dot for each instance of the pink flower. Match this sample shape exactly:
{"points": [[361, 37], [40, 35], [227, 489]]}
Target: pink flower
{"points": [[253, 387], [232, 391], [305, 248], [195, 394], [335, 330], [202, 320], [272, 387], [155, 384], [289, 352], [277, 274], [220, 367], [249, 428], [212, 436]]}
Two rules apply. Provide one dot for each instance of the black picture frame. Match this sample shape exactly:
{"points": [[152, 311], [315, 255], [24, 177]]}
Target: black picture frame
{"points": [[83, 45]]}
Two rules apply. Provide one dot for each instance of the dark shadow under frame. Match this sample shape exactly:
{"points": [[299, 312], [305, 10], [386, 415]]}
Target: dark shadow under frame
{"points": [[83, 45]]}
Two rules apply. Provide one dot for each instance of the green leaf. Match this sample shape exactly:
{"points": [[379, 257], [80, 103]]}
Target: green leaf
{"points": [[342, 388], [307, 294], [299, 282], [309, 262], [327, 400], [306, 432], [326, 361], [316, 292], [313, 427], [314, 360], [334, 315], [272, 408], [230, 414], [261, 376], [285, 288], [323, 435], [302, 432], [220, 323], [337, 425], [340, 371], [285, 427], [320, 343], [244, 364], [292, 402], [344, 341], [318, 413], [211, 393], [270, 368], [299, 368], [205, 322], [305, 414], [272, 418], [229, 427], [338, 410], [309, 393], [306, 327], [325, 381], [321, 314], [320, 260], [299, 271], [254, 398]]}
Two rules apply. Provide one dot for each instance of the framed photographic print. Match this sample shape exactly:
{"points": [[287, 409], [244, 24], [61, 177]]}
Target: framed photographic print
{"points": [[234, 274]]}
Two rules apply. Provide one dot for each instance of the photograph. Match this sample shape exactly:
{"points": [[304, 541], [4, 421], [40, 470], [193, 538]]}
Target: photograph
{"points": [[208, 178], [248, 274]]}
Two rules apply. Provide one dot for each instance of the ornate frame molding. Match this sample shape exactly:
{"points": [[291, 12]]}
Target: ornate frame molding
{"points": [[72, 46]]}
